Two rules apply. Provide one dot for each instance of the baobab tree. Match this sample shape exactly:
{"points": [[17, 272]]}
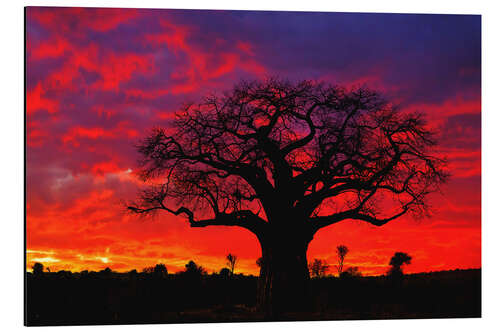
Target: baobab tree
{"points": [[285, 160]]}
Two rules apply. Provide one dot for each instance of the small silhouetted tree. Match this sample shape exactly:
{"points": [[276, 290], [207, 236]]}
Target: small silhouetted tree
{"points": [[397, 261], [318, 268], [231, 262], [37, 269], [192, 269], [342, 251], [160, 271], [284, 160], [351, 272]]}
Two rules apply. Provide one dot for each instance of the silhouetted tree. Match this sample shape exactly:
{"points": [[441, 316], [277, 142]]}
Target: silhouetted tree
{"points": [[342, 251], [194, 270], [160, 271], [231, 262], [318, 268], [284, 160], [37, 269], [351, 272], [397, 261]]}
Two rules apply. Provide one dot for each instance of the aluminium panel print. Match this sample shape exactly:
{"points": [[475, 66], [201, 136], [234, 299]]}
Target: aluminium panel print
{"points": [[193, 166]]}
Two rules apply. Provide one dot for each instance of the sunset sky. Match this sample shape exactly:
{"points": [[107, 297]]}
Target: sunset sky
{"points": [[97, 80]]}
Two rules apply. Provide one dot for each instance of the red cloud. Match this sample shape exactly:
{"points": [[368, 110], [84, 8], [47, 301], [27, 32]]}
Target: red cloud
{"points": [[120, 68], [245, 47], [104, 167], [36, 100], [53, 48], [82, 132], [201, 65], [35, 133], [450, 107], [123, 129], [111, 69]]}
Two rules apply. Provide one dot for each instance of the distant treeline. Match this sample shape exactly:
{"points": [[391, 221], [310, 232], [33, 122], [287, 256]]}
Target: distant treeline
{"points": [[154, 296]]}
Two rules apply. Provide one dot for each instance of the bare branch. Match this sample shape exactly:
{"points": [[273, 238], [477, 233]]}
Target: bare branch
{"points": [[278, 148]]}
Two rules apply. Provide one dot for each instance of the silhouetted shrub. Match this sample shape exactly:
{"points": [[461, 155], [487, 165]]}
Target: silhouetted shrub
{"points": [[351, 272], [37, 269], [160, 271]]}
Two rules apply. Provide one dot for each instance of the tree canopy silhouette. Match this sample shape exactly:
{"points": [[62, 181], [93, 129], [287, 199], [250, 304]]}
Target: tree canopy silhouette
{"points": [[397, 261], [284, 160], [192, 269], [37, 269], [160, 270]]}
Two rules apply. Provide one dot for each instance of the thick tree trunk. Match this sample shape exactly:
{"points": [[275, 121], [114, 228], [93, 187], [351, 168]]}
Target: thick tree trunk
{"points": [[284, 277]]}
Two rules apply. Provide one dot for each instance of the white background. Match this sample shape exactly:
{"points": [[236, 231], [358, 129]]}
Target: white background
{"points": [[12, 161]]}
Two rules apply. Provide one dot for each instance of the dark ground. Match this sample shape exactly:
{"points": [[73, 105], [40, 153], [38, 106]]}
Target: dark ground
{"points": [[65, 298]]}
